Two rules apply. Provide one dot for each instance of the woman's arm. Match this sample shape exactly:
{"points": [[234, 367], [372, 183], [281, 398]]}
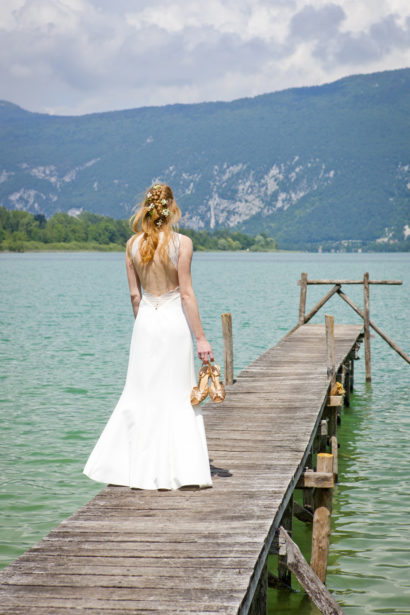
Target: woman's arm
{"points": [[133, 280], [189, 300]]}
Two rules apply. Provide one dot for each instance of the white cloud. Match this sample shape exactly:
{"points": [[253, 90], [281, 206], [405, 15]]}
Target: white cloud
{"points": [[78, 56]]}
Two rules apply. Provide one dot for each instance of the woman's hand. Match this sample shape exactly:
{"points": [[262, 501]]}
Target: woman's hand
{"points": [[204, 350]]}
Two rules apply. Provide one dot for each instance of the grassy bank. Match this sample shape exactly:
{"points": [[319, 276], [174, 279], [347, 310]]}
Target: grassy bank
{"points": [[57, 246]]}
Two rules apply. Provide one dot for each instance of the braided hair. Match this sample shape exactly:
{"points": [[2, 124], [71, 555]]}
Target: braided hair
{"points": [[158, 212]]}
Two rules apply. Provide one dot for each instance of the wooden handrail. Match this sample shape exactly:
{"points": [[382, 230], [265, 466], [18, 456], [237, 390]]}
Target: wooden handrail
{"points": [[394, 282], [374, 326]]}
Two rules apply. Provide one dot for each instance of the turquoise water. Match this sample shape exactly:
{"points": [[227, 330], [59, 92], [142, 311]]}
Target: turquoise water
{"points": [[66, 323]]}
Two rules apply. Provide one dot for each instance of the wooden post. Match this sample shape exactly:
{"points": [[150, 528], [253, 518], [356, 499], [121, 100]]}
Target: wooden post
{"points": [[321, 520], [366, 312], [308, 492], [374, 326], [228, 347], [302, 302], [330, 345], [347, 385], [323, 436], [351, 369], [333, 438], [306, 577], [321, 303], [284, 575]]}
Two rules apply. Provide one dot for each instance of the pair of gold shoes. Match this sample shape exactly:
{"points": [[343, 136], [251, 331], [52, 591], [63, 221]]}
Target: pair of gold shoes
{"points": [[216, 389]]}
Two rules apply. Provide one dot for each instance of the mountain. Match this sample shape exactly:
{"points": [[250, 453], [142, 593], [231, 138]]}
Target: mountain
{"points": [[310, 166]]}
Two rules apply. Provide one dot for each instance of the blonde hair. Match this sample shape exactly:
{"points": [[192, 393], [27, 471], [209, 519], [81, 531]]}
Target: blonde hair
{"points": [[158, 212]]}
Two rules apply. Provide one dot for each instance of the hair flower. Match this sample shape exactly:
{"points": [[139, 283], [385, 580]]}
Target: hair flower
{"points": [[165, 212], [164, 202], [149, 195]]}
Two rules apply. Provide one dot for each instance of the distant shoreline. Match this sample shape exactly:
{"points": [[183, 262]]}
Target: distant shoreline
{"points": [[21, 231], [121, 249]]}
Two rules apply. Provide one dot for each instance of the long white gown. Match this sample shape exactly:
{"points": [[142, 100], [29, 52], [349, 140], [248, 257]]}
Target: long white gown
{"points": [[155, 438]]}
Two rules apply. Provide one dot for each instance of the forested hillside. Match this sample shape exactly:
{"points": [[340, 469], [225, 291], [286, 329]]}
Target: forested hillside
{"points": [[21, 231], [313, 167]]}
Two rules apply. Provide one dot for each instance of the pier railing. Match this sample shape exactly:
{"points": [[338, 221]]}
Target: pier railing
{"points": [[365, 313]]}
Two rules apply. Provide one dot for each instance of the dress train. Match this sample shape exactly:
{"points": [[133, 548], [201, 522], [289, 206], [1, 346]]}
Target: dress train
{"points": [[155, 438]]}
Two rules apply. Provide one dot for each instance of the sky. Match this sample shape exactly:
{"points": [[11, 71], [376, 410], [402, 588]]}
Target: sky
{"points": [[71, 57]]}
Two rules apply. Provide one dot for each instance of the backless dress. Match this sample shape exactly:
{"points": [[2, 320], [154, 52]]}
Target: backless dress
{"points": [[155, 438]]}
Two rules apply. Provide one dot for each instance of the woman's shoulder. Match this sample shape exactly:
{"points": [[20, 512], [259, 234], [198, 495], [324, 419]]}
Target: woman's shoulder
{"points": [[131, 241], [184, 240]]}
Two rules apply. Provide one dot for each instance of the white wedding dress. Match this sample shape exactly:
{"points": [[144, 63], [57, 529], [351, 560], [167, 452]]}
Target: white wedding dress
{"points": [[155, 438]]}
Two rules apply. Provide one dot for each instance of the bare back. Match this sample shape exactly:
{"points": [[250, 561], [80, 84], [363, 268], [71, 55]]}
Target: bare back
{"points": [[158, 277]]}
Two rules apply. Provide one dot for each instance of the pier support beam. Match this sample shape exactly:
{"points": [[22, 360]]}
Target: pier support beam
{"points": [[321, 520], [313, 586], [308, 492], [332, 411], [330, 345], [284, 575], [302, 301], [348, 383], [351, 366], [323, 434], [367, 327], [228, 347]]}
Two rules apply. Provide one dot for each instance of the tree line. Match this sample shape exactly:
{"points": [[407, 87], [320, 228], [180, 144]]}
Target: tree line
{"points": [[21, 231]]}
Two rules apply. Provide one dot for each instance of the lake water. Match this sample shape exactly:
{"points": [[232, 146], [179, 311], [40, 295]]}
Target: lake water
{"points": [[66, 324]]}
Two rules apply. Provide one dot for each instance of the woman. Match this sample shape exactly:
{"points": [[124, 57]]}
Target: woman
{"points": [[155, 439]]}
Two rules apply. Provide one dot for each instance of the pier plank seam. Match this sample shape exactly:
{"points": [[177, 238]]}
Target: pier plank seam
{"points": [[199, 551]]}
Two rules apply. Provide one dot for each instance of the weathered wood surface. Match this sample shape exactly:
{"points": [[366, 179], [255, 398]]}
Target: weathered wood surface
{"points": [[306, 577], [302, 300], [367, 352], [321, 520], [374, 326], [192, 551], [321, 303], [390, 282], [228, 347]]}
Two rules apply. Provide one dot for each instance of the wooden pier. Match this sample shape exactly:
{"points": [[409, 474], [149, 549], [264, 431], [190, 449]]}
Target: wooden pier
{"points": [[194, 551]]}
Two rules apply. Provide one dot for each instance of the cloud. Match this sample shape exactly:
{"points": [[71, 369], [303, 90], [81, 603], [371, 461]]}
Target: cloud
{"points": [[78, 56], [317, 23]]}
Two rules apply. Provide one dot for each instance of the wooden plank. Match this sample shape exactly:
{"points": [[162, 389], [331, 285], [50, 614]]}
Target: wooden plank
{"points": [[195, 550], [321, 520], [316, 479], [366, 312], [375, 327], [394, 282], [307, 578], [302, 300], [330, 345], [228, 347], [321, 303]]}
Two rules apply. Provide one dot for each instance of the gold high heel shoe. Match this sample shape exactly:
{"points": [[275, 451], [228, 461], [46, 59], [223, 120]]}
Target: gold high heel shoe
{"points": [[199, 392], [216, 388]]}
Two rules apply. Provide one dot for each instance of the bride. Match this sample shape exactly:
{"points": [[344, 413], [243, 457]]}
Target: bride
{"points": [[155, 438]]}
